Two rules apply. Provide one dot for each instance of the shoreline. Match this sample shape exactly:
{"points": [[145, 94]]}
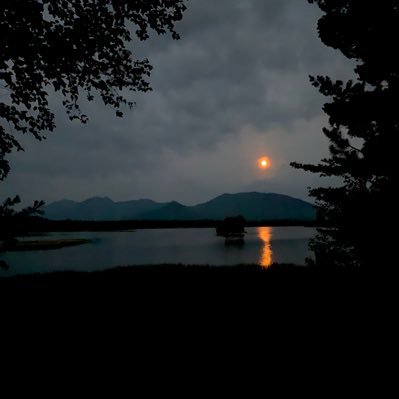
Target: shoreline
{"points": [[131, 270], [38, 225], [43, 245], [179, 267]]}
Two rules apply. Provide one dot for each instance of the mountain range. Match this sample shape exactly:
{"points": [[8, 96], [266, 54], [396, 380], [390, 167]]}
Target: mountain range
{"points": [[252, 206]]}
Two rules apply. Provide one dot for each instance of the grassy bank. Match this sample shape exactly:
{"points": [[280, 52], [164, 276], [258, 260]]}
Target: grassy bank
{"points": [[125, 273]]}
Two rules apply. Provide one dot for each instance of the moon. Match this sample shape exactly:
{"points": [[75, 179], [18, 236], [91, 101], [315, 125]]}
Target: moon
{"points": [[264, 163]]}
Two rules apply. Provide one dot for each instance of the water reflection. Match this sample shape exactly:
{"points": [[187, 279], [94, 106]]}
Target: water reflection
{"points": [[263, 245], [265, 234]]}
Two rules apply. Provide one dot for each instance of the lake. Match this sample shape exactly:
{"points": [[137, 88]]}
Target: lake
{"points": [[263, 246]]}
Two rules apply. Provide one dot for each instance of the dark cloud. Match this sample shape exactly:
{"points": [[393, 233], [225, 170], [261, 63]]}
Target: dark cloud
{"points": [[233, 88]]}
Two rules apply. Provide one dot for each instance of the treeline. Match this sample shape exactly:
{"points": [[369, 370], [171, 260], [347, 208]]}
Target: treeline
{"points": [[17, 226]]}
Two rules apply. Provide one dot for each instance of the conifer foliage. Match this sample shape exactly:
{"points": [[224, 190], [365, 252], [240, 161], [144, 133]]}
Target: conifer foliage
{"points": [[363, 133]]}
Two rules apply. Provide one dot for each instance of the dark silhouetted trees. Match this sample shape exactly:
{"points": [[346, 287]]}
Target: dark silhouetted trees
{"points": [[363, 132], [13, 222], [74, 47]]}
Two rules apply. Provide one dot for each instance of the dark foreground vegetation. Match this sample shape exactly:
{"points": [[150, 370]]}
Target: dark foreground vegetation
{"points": [[157, 293], [130, 275]]}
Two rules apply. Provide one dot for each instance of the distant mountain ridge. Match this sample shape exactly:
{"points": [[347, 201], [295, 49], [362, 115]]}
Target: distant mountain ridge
{"points": [[252, 206]]}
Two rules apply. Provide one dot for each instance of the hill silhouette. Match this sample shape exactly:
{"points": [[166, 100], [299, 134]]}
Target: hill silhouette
{"points": [[252, 206]]}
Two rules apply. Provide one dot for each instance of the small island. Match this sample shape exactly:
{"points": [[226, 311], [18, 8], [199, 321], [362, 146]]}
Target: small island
{"points": [[232, 229]]}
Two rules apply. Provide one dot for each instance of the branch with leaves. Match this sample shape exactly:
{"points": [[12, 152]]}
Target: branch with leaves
{"points": [[76, 48]]}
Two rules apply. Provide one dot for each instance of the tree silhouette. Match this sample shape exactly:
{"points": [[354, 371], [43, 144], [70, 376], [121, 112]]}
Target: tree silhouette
{"points": [[78, 48], [364, 122], [11, 220]]}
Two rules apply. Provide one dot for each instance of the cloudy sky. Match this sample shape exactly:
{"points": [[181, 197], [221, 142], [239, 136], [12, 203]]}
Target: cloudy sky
{"points": [[233, 89]]}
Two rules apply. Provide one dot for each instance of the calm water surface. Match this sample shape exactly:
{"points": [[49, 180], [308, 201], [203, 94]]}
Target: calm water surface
{"points": [[263, 245]]}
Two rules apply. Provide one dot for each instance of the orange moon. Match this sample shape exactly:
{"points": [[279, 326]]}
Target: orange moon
{"points": [[264, 163]]}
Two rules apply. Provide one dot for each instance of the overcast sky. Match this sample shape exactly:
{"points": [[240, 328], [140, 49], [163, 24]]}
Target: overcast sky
{"points": [[233, 89]]}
